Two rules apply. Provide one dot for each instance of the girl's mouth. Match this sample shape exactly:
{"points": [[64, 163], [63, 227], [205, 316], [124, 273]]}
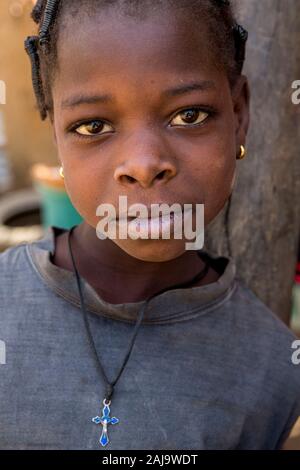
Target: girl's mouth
{"points": [[153, 227]]}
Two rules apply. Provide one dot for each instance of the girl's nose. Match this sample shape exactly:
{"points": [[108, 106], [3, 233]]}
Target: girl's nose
{"points": [[145, 161]]}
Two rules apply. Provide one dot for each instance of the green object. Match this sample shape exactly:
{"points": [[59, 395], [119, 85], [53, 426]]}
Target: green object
{"points": [[57, 208], [295, 321]]}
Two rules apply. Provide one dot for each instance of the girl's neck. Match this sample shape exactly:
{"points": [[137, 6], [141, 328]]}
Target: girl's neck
{"points": [[118, 277]]}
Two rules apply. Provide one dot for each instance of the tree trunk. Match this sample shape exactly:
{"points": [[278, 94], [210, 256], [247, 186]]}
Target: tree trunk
{"points": [[259, 228]]}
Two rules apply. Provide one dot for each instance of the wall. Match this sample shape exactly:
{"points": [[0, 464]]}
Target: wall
{"points": [[29, 140]]}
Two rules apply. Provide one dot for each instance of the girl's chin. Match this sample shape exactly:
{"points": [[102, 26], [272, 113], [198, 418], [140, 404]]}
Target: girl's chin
{"points": [[152, 250]]}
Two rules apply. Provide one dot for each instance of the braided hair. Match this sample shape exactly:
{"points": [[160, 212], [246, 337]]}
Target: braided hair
{"points": [[230, 37]]}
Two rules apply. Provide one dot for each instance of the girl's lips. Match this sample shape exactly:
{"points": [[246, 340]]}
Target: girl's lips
{"points": [[161, 215], [154, 226]]}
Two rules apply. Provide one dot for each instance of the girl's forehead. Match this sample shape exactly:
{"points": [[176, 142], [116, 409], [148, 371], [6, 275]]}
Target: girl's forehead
{"points": [[111, 47]]}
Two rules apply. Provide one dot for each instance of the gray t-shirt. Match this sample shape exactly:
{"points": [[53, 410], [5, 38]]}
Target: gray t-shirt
{"points": [[211, 366]]}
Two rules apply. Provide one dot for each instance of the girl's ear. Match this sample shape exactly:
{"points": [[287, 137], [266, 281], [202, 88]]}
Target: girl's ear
{"points": [[241, 105]]}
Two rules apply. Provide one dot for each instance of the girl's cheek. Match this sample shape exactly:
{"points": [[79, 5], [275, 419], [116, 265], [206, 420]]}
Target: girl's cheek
{"points": [[220, 180]]}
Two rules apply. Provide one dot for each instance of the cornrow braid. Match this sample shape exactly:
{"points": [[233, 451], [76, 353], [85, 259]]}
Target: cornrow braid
{"points": [[45, 13], [240, 39], [37, 11], [48, 12], [240, 35], [31, 48], [49, 18], [223, 2]]}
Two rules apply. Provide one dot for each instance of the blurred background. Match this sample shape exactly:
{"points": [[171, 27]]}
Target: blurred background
{"points": [[32, 194]]}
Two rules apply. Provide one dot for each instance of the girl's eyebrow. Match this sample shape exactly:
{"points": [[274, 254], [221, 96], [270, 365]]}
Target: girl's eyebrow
{"points": [[181, 89], [78, 100]]}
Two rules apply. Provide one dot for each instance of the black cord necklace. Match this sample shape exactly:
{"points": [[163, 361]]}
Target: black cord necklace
{"points": [[105, 419]]}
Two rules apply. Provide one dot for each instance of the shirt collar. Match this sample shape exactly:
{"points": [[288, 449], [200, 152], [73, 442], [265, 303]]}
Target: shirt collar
{"points": [[168, 307]]}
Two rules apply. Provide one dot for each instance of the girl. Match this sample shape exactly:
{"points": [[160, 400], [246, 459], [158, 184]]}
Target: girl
{"points": [[125, 343]]}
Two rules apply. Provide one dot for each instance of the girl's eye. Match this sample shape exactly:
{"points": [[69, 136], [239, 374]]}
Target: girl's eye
{"points": [[93, 128], [190, 116]]}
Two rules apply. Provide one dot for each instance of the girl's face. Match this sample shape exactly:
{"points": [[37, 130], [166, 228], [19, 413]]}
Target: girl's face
{"points": [[141, 110]]}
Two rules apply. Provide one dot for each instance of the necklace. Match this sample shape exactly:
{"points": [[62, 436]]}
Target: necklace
{"points": [[106, 419]]}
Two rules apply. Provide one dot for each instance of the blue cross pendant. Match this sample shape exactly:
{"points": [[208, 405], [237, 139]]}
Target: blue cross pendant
{"points": [[105, 420]]}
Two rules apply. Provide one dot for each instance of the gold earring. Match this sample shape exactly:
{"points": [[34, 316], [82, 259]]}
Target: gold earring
{"points": [[242, 153], [61, 172]]}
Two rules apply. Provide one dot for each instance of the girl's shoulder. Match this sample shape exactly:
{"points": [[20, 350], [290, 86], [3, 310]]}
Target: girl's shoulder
{"points": [[12, 260], [16, 266], [16, 256]]}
